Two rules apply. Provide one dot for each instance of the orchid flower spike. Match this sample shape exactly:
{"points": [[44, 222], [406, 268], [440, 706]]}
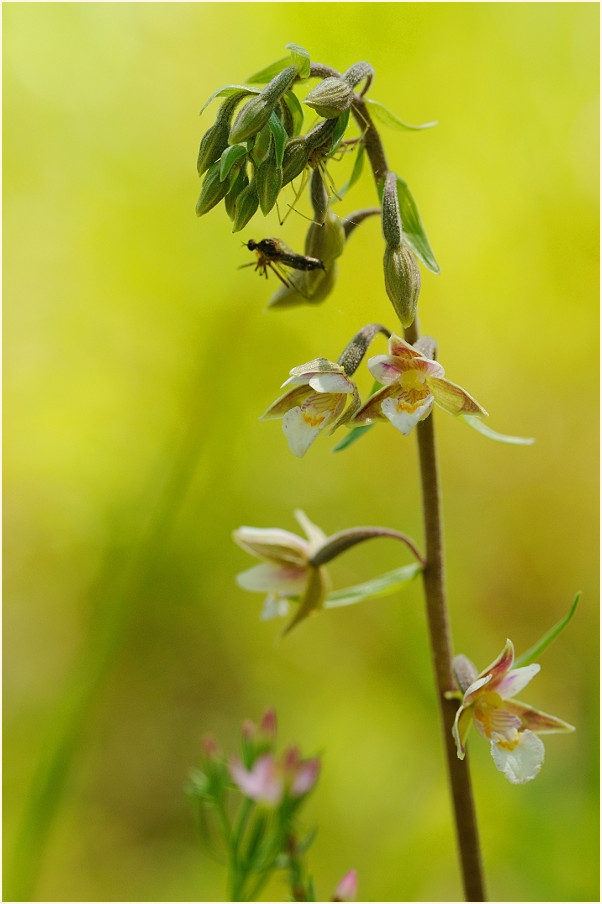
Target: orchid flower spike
{"points": [[286, 573], [510, 726], [317, 400], [411, 384]]}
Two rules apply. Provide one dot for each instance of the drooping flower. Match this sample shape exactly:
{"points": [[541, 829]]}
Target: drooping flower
{"points": [[411, 384], [510, 726], [317, 401], [286, 573]]}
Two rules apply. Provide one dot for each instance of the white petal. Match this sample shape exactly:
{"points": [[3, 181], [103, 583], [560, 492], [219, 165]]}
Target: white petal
{"points": [[299, 431], [273, 578], [274, 606], [513, 683], [404, 420], [272, 543], [524, 762], [331, 383], [314, 534]]}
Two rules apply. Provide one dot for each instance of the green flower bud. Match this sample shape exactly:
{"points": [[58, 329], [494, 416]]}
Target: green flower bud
{"points": [[296, 156], [325, 242], [269, 183], [256, 112], [215, 140], [262, 144], [212, 190], [352, 356], [246, 205], [357, 73], [391, 220], [402, 282], [331, 97], [241, 181]]}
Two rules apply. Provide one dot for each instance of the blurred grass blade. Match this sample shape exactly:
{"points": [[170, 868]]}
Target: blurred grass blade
{"points": [[354, 434], [380, 112], [478, 425], [535, 651], [379, 586]]}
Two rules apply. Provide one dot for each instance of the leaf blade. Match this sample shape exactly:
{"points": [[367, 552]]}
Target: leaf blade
{"points": [[414, 233], [228, 91], [394, 122], [382, 585], [538, 648]]}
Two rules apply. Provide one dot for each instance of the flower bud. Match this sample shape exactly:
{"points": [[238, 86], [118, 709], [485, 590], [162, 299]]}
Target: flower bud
{"points": [[215, 140], [402, 282], [346, 890], [241, 181], [247, 203], [325, 242], [269, 183], [331, 97], [212, 190], [391, 220], [256, 112], [464, 671], [296, 155], [353, 354]]}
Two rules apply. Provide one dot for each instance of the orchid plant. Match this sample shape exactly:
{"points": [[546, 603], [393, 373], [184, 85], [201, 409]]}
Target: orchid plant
{"points": [[252, 157]]}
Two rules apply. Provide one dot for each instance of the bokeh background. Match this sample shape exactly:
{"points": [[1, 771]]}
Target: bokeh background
{"points": [[137, 359]]}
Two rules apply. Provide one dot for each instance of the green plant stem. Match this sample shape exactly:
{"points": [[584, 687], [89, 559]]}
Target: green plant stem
{"points": [[435, 593]]}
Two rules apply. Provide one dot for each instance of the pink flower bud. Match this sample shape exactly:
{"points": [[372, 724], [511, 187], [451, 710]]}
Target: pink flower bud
{"points": [[346, 890]]}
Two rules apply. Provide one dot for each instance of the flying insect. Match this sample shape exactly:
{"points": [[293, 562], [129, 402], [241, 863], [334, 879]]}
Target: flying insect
{"points": [[274, 255]]}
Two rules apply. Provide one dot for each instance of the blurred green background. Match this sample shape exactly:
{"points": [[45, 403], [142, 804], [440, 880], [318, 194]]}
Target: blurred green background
{"points": [[137, 359]]}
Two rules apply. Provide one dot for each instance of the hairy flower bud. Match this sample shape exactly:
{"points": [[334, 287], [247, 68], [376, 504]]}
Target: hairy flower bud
{"points": [[246, 205], [256, 112], [357, 73], [296, 156], [352, 355], [215, 140], [269, 183], [241, 181], [331, 97], [325, 242], [402, 282], [212, 190], [391, 220]]}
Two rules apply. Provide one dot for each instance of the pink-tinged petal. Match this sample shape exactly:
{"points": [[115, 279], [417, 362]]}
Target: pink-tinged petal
{"points": [[403, 419], [495, 722], [284, 403], [348, 413], [500, 666], [535, 720], [331, 383], [314, 534], [306, 777], [453, 398], [474, 690], [273, 578], [301, 429], [371, 410], [516, 680], [262, 782], [388, 369], [522, 762], [346, 890], [462, 723], [272, 543], [402, 349]]}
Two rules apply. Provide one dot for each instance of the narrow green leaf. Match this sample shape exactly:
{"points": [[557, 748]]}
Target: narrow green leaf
{"points": [[535, 651], [478, 425], [232, 153], [294, 105], [379, 586], [300, 59], [229, 90], [389, 119], [263, 76], [414, 233], [358, 165], [280, 137], [340, 128], [352, 436]]}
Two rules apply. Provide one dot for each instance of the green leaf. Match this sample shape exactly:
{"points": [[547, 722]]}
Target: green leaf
{"points": [[379, 586], [232, 153], [229, 90], [535, 651], [414, 233], [294, 105], [353, 435], [266, 75], [300, 59], [339, 130], [280, 137], [389, 119], [358, 165], [478, 425]]}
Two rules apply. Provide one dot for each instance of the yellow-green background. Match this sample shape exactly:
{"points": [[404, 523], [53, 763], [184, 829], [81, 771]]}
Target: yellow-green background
{"points": [[137, 359]]}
